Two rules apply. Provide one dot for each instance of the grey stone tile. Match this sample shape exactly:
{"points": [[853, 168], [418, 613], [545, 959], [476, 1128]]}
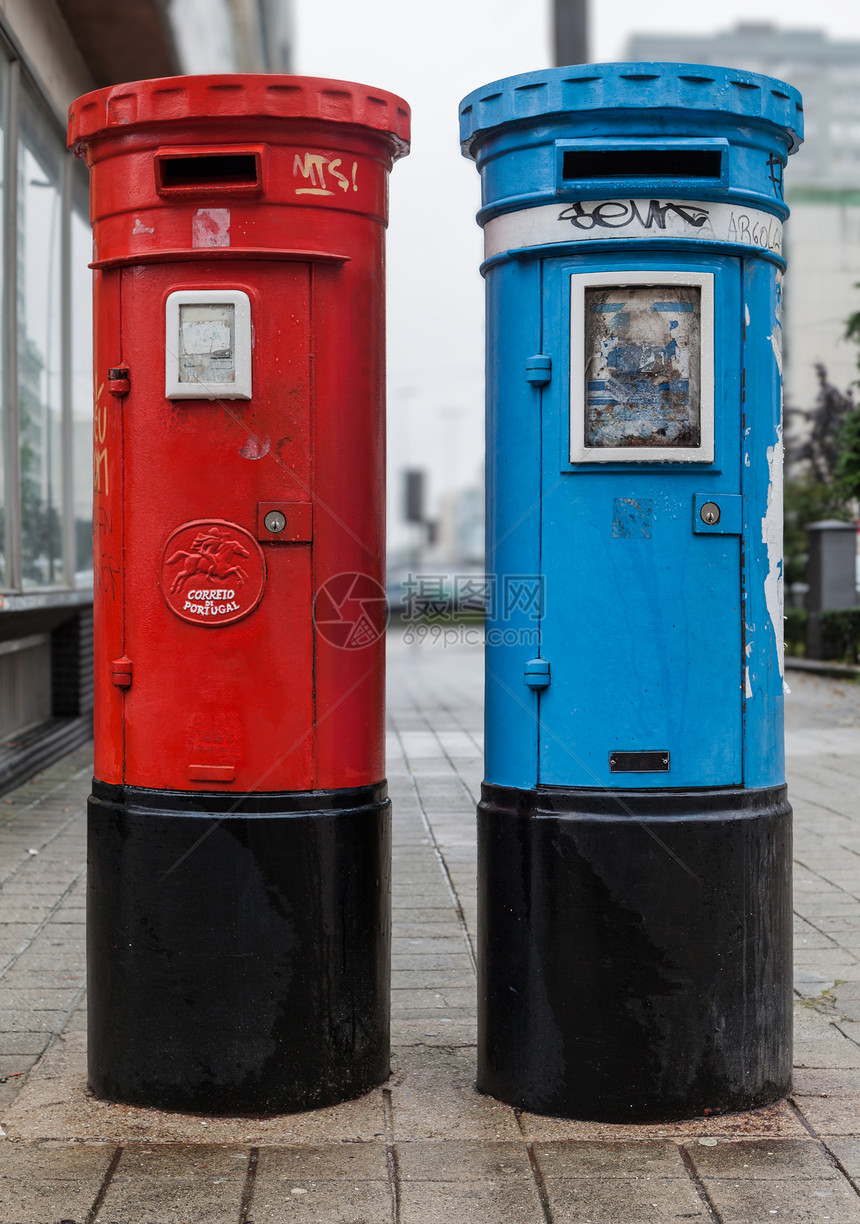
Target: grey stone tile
{"points": [[466, 1160], [44, 1182], [847, 1152], [832, 1115], [826, 1081], [425, 962], [324, 1162], [434, 1033], [791, 1201], [421, 996], [175, 1200], [56, 998], [189, 1161], [30, 1044], [450, 944], [440, 979], [439, 1013], [764, 1160], [589, 1200], [61, 1161], [332, 1202], [419, 914], [28, 915], [578, 1158], [47, 1200], [502, 1201]]}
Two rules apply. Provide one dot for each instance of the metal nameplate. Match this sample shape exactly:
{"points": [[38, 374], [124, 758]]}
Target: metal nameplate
{"points": [[654, 760]]}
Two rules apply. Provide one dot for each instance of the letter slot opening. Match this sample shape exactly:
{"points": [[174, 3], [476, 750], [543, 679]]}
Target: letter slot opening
{"points": [[641, 163], [210, 172]]}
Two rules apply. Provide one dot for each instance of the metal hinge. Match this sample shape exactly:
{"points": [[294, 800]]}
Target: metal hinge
{"points": [[536, 673], [538, 370], [120, 672], [119, 381]]}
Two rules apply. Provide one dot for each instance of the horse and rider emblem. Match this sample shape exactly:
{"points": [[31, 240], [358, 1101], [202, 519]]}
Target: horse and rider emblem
{"points": [[212, 572]]}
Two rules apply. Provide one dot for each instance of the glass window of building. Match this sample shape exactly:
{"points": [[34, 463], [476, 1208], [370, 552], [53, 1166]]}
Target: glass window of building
{"points": [[41, 159]]}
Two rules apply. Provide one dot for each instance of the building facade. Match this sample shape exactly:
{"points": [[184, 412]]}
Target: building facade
{"points": [[50, 52], [822, 184]]}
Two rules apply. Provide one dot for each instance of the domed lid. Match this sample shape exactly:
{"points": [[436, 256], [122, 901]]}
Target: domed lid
{"points": [[239, 96], [634, 86]]}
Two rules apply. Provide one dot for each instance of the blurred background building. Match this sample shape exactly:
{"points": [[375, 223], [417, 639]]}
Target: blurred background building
{"points": [[822, 183], [50, 52]]}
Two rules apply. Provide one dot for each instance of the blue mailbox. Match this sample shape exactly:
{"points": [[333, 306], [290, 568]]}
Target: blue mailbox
{"points": [[634, 829]]}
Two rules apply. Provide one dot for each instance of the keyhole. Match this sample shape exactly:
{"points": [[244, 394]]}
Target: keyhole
{"points": [[275, 521], [710, 513]]}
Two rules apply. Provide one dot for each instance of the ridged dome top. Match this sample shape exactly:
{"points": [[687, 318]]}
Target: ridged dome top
{"points": [[633, 86], [239, 96]]}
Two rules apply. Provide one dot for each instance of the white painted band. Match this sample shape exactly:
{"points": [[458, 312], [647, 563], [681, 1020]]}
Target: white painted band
{"points": [[597, 220]]}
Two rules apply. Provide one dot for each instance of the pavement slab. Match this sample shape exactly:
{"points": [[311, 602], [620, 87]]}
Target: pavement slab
{"points": [[427, 1148]]}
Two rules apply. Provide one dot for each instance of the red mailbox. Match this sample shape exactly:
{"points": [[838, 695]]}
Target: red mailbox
{"points": [[239, 843]]}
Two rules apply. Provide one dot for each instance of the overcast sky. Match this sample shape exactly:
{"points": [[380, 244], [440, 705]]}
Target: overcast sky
{"points": [[432, 54]]}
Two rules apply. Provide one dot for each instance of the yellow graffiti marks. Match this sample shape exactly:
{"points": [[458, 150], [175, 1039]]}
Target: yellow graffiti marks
{"points": [[312, 168], [101, 466]]}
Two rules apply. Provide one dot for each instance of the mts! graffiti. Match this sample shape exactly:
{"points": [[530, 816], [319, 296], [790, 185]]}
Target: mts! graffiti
{"points": [[312, 169], [613, 214]]}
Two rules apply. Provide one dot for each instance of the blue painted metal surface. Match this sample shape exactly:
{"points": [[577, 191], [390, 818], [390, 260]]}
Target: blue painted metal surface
{"points": [[661, 630]]}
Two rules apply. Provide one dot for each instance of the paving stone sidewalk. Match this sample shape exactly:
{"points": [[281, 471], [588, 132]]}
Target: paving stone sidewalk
{"points": [[426, 1148]]}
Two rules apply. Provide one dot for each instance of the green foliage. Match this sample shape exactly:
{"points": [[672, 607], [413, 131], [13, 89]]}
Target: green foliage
{"points": [[847, 466], [852, 329], [840, 634], [795, 631], [818, 452], [847, 471]]}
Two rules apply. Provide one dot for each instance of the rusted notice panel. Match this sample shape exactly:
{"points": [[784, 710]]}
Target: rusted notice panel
{"points": [[643, 348]]}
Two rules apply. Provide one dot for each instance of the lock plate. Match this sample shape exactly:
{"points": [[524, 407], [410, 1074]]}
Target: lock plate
{"points": [[718, 513]]}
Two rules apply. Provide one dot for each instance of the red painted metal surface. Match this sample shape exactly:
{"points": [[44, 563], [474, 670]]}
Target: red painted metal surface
{"points": [[277, 187]]}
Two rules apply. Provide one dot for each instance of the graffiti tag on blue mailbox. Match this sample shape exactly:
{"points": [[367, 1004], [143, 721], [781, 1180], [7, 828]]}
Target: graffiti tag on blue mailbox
{"points": [[643, 361]]}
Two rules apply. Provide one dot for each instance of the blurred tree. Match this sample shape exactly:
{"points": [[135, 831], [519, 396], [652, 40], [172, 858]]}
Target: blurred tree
{"points": [[815, 489], [847, 442]]}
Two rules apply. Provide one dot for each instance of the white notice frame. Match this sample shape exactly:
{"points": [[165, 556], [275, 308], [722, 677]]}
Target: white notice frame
{"points": [[579, 452], [240, 385]]}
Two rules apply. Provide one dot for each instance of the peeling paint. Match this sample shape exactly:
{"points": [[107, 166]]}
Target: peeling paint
{"points": [[746, 459], [746, 314], [771, 535], [632, 518], [140, 228], [776, 344], [747, 686], [785, 688], [210, 227], [255, 448]]}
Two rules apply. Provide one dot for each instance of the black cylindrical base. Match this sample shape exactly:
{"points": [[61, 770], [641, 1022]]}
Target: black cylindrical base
{"points": [[238, 948], [634, 951]]}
